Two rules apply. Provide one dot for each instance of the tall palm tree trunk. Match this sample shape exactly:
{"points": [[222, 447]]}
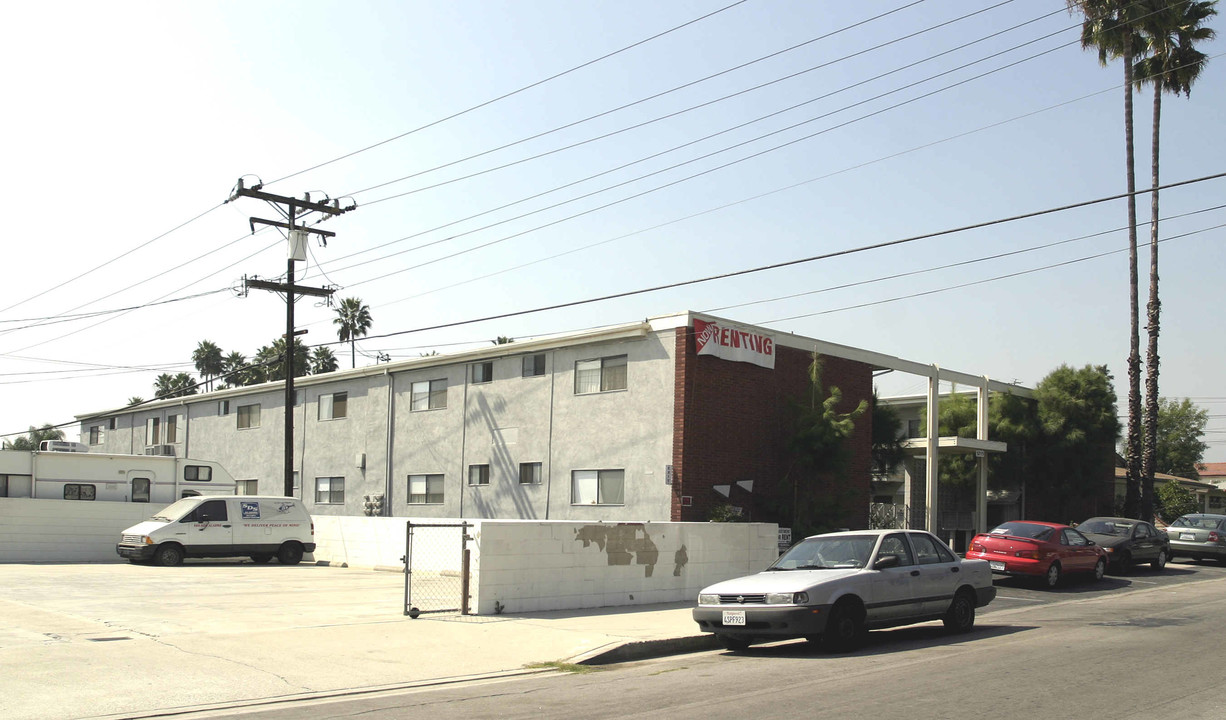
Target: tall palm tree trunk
{"points": [[1133, 445], [1151, 324]]}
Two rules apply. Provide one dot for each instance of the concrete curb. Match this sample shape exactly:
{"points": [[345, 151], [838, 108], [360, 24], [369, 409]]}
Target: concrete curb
{"points": [[647, 649]]}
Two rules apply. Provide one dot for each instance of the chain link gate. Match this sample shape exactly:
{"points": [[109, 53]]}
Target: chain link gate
{"points": [[436, 568]]}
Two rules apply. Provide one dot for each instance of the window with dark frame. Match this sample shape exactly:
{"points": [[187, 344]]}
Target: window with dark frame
{"points": [[428, 395], [198, 473], [483, 372], [95, 435], [600, 375], [334, 406], [246, 487], [111, 423], [530, 473], [534, 365], [425, 490], [78, 491], [153, 431], [140, 490], [223, 407], [478, 475], [330, 491], [248, 416]]}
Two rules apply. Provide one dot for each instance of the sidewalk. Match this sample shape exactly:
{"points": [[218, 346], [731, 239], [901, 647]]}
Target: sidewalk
{"points": [[75, 651]]}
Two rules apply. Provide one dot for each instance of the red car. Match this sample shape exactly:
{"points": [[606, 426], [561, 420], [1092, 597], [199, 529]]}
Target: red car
{"points": [[1039, 549]]}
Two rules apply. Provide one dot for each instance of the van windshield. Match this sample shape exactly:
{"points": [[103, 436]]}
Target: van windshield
{"points": [[176, 510]]}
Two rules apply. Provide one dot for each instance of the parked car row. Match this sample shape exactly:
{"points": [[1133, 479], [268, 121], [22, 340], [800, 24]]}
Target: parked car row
{"points": [[833, 588]]}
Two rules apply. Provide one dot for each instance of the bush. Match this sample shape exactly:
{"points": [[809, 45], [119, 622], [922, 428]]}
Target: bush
{"points": [[1173, 501]]}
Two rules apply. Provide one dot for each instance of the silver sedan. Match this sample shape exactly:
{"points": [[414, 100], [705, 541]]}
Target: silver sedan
{"points": [[1199, 536]]}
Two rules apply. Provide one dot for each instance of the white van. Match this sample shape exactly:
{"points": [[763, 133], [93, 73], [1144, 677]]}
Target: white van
{"points": [[222, 526]]}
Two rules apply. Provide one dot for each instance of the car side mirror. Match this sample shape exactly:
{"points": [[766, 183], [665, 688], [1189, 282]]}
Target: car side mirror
{"points": [[886, 561]]}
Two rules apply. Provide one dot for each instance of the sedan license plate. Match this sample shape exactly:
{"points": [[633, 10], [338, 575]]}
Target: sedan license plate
{"points": [[734, 617], [997, 565], [1187, 536]]}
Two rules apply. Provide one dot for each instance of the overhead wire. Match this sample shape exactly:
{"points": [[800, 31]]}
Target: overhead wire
{"points": [[515, 92]]}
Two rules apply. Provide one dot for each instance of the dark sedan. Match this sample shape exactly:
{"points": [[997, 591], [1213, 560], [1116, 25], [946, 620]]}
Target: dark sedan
{"points": [[1128, 542]]}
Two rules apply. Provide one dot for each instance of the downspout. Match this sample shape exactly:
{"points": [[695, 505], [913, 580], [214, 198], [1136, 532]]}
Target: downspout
{"points": [[391, 417], [187, 413], [463, 440], [553, 378], [302, 452]]}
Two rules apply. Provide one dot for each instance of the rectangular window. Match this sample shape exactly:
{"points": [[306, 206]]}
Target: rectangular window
{"points": [[478, 474], [198, 473], [153, 431], [529, 473], [4, 485], [248, 416], [246, 487], [96, 435], [223, 407], [483, 372], [600, 375], [334, 406], [534, 365], [140, 490], [429, 395], [330, 491], [297, 486], [76, 491], [111, 424], [298, 396], [175, 429], [597, 487], [913, 428], [425, 489]]}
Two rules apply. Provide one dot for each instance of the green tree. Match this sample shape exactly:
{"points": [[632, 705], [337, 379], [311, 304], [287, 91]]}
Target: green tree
{"points": [[1079, 428], [34, 437], [819, 448], [353, 319], [135, 400], [887, 449], [184, 384], [1180, 433], [503, 340], [1110, 27], [1170, 32], [271, 357], [1174, 500], [323, 360], [164, 386], [208, 360], [234, 370]]}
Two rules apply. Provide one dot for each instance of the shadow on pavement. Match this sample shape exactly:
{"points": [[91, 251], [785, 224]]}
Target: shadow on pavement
{"points": [[884, 642]]}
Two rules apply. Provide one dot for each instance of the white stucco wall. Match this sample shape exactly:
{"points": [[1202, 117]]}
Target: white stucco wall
{"points": [[34, 531]]}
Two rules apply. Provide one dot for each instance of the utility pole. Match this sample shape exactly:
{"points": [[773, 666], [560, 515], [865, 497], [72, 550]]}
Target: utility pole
{"points": [[294, 211]]}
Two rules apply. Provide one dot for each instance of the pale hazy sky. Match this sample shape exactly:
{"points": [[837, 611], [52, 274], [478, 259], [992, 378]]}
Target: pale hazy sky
{"points": [[127, 119]]}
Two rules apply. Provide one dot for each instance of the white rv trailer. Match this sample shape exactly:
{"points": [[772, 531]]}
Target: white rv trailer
{"points": [[68, 474]]}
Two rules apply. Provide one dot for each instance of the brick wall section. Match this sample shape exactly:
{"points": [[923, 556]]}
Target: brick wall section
{"points": [[731, 423]]}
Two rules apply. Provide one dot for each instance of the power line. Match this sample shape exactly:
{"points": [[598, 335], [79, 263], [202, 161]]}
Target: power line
{"points": [[800, 261], [514, 92], [682, 87], [56, 319]]}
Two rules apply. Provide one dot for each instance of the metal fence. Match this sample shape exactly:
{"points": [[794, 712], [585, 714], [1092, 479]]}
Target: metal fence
{"points": [[887, 516], [436, 568]]}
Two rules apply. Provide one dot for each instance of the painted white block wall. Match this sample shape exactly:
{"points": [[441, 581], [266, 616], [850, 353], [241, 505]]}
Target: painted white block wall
{"points": [[38, 531]]}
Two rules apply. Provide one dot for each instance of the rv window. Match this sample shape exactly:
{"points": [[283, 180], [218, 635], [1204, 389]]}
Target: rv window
{"points": [[140, 490], [74, 491], [197, 473]]}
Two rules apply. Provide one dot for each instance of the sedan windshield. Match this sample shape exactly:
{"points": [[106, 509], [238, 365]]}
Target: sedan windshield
{"points": [[1107, 526], [826, 553]]}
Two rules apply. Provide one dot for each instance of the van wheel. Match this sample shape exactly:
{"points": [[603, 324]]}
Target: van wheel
{"points": [[261, 558], [290, 554], [168, 555]]}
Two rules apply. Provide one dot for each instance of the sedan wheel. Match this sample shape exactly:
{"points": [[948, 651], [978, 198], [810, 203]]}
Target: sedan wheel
{"points": [[1123, 563], [1100, 569], [1052, 578], [844, 629], [960, 617], [1160, 561]]}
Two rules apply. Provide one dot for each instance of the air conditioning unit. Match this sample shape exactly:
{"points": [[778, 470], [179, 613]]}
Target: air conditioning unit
{"points": [[167, 450]]}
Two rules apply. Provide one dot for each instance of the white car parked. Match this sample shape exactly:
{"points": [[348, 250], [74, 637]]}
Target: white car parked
{"points": [[836, 587]]}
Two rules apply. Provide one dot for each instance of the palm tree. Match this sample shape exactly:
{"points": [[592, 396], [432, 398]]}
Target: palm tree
{"points": [[184, 384], [502, 340], [208, 359], [234, 369], [135, 400], [34, 438], [1172, 65], [264, 365], [354, 320], [272, 360], [323, 360], [163, 386], [1110, 26]]}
